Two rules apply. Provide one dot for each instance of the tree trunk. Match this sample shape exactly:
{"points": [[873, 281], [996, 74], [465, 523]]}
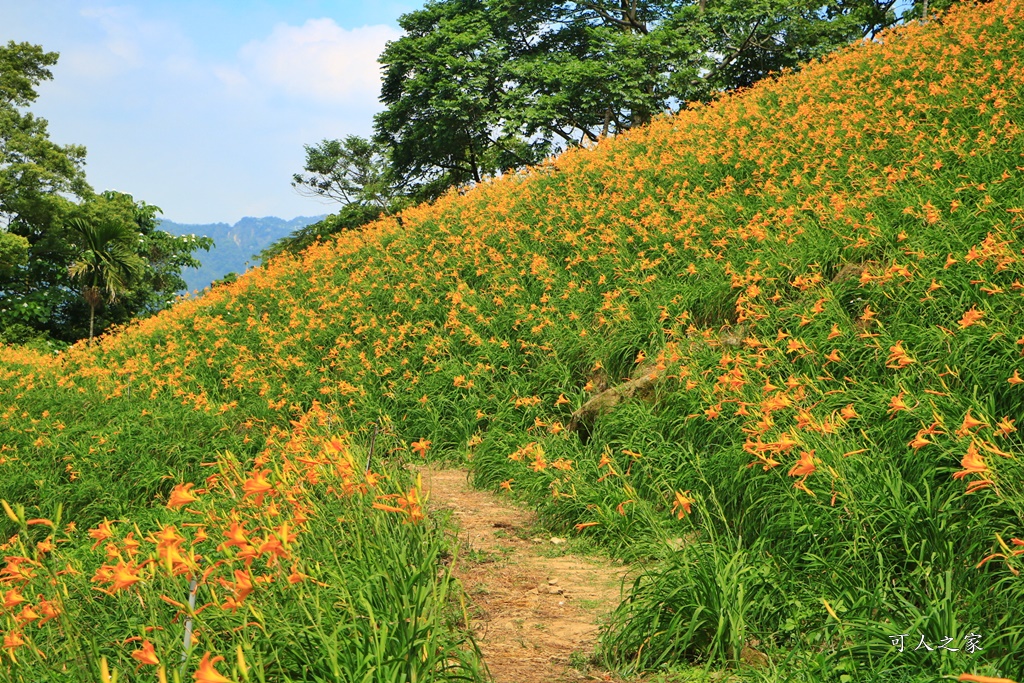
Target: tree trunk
{"points": [[94, 298]]}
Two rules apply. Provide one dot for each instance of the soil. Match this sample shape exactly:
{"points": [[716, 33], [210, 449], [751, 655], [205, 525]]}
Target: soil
{"points": [[535, 611]]}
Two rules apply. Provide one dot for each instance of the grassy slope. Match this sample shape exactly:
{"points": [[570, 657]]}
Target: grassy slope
{"points": [[819, 269]]}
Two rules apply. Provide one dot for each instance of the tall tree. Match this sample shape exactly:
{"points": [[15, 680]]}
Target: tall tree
{"points": [[163, 254], [107, 265], [42, 190], [351, 171], [355, 172], [39, 180], [444, 88], [34, 171], [476, 87]]}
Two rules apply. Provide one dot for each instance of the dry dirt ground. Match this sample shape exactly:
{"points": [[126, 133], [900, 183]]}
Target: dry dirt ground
{"points": [[535, 612]]}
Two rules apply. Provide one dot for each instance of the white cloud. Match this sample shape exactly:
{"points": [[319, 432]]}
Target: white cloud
{"points": [[124, 41], [319, 60], [174, 111], [231, 77], [122, 32]]}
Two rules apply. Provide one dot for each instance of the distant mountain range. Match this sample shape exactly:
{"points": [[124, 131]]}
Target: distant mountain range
{"points": [[235, 246]]}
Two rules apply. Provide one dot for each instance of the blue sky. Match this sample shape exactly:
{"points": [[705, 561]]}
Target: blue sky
{"points": [[203, 107]]}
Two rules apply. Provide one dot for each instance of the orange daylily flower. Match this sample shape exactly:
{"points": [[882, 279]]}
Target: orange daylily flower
{"points": [[802, 486], [257, 485], [978, 484], [1005, 427], [919, 441], [207, 672], [101, 533], [804, 466], [231, 603], [104, 574], [972, 463], [896, 403], [12, 641], [49, 610], [335, 445], [539, 463], [969, 424], [410, 504], [26, 615], [682, 503], [420, 447], [124, 575], [1015, 378], [236, 536], [12, 598], [181, 496], [131, 546], [898, 357], [784, 444], [247, 553], [145, 655], [241, 588], [296, 576], [972, 317], [167, 536], [991, 448], [274, 548]]}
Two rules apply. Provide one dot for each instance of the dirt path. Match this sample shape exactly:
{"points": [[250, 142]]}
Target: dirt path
{"points": [[534, 612]]}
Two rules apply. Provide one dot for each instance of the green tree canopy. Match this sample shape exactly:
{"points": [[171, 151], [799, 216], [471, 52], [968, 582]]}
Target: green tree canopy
{"points": [[44, 200], [107, 264], [36, 174], [479, 87], [356, 172], [13, 252], [351, 171], [476, 87]]}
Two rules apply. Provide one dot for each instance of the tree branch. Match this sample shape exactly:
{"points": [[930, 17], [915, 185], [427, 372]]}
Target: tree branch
{"points": [[628, 19]]}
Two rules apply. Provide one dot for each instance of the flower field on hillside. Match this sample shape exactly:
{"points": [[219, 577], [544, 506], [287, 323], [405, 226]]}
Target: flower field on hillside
{"points": [[819, 282]]}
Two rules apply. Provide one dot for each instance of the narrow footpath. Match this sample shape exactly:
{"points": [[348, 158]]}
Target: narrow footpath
{"points": [[535, 610]]}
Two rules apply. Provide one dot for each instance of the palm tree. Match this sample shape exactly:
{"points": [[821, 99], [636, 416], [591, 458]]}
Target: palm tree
{"points": [[108, 264]]}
